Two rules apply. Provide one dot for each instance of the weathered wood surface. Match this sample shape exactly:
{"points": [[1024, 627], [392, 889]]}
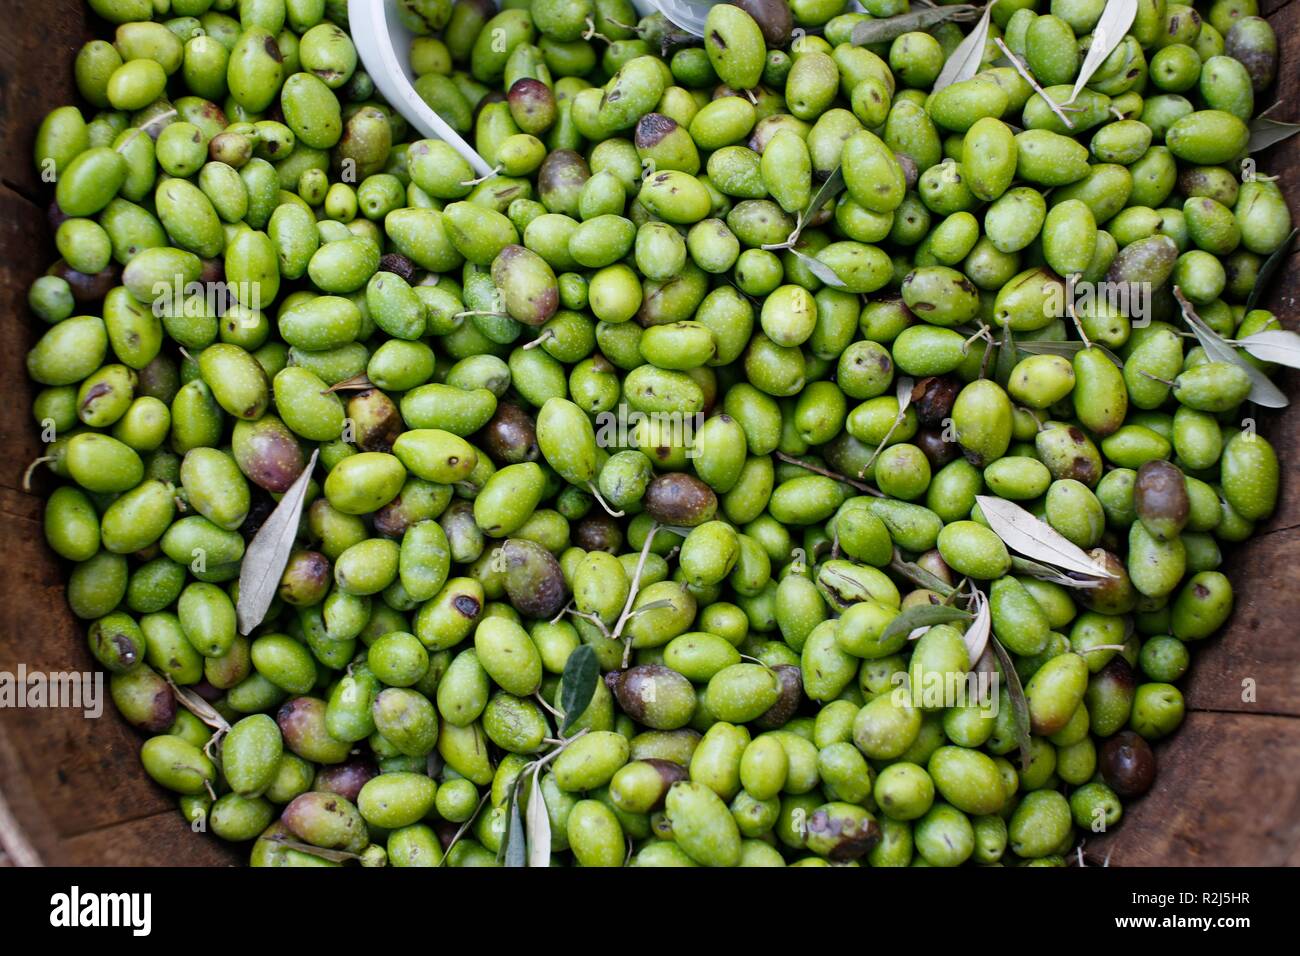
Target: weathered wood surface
{"points": [[1229, 785]]}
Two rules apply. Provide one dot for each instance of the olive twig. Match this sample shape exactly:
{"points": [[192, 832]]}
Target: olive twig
{"points": [[542, 700], [1069, 308], [1020, 68], [592, 33], [860, 485], [632, 592], [540, 340], [465, 826]]}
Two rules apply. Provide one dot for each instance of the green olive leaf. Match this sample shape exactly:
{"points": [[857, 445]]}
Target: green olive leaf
{"points": [[1115, 20], [1266, 271], [1022, 532], [833, 186], [538, 824], [1019, 705], [578, 684], [923, 615], [268, 555], [334, 856], [964, 62], [1262, 391], [1274, 345], [890, 28]]}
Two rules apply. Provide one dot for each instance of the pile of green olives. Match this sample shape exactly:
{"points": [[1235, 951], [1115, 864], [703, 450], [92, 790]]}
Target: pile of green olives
{"points": [[261, 266]]}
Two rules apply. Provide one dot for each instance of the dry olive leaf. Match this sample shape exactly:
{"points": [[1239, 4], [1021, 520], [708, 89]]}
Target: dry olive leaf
{"points": [[977, 634], [266, 558], [538, 824], [334, 856], [1106, 35], [1036, 539], [578, 684], [1262, 391], [1274, 345], [199, 707], [1045, 573], [923, 616], [1019, 705], [1270, 266], [1066, 348], [890, 28], [964, 62]]}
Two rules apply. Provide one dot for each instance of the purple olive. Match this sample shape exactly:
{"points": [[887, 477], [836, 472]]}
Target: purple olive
{"points": [[680, 499]]}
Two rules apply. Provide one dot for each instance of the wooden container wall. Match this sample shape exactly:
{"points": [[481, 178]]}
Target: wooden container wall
{"points": [[72, 791]]}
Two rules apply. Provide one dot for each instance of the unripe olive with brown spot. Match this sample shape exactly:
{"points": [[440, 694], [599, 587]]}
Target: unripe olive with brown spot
{"points": [[1160, 499], [677, 498]]}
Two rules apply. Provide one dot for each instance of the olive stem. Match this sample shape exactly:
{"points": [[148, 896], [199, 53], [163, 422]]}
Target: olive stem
{"points": [[591, 486], [1156, 378], [541, 339], [31, 470], [860, 485], [484, 178], [542, 700], [359, 382], [591, 33], [1078, 326], [1020, 68]]}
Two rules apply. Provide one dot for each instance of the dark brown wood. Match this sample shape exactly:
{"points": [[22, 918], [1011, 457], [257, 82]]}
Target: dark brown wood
{"points": [[1226, 793], [72, 791]]}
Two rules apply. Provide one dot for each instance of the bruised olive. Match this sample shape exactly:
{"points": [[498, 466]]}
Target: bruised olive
{"points": [[680, 499], [642, 785], [1113, 595], [1160, 499], [532, 105], [1127, 764], [306, 579], [268, 453], [842, 832], [533, 578], [790, 696], [654, 695], [376, 420], [510, 436], [88, 288]]}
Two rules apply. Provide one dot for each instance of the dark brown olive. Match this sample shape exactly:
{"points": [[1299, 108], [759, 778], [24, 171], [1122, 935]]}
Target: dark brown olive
{"points": [[88, 288], [376, 420], [534, 580], [160, 379], [1109, 697], [1113, 595], [1160, 499], [144, 698], [464, 538], [56, 216], [773, 18], [268, 454], [510, 437], [790, 679], [347, 778], [306, 579], [598, 533], [937, 450], [532, 105], [680, 499], [1127, 764], [399, 265], [933, 398]]}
